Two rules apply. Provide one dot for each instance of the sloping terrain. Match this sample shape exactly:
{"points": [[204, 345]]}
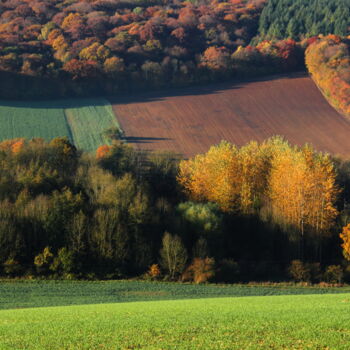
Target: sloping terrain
{"points": [[190, 120]]}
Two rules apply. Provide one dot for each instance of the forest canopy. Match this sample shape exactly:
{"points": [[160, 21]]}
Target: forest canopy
{"points": [[298, 19], [83, 48]]}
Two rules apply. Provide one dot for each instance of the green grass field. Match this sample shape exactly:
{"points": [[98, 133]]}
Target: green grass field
{"points": [[83, 121], [27, 294], [270, 322]]}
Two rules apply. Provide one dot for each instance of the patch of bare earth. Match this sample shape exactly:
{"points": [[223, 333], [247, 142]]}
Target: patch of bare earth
{"points": [[190, 120]]}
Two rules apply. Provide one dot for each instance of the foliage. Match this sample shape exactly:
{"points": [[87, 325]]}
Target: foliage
{"points": [[299, 271], [12, 267], [228, 271], [154, 271], [303, 199], [63, 263], [345, 236], [201, 270], [328, 61], [173, 255], [84, 48], [304, 18], [43, 260], [259, 176], [204, 218], [105, 217], [334, 274]]}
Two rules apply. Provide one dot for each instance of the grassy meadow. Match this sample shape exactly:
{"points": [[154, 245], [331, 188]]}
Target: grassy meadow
{"points": [[269, 322], [83, 121]]}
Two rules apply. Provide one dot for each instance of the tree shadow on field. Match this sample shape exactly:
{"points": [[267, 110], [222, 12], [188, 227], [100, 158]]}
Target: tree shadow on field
{"points": [[136, 139], [76, 102], [211, 88], [143, 97]]}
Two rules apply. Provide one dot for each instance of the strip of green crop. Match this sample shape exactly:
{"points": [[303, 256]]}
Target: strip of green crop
{"points": [[35, 119], [26, 293], [82, 121], [89, 121]]}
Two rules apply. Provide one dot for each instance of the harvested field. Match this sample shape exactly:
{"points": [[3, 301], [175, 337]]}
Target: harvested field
{"points": [[190, 120]]}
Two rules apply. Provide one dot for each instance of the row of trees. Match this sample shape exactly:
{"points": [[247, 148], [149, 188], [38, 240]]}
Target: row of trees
{"points": [[328, 61], [232, 213], [84, 47], [79, 48], [131, 43]]}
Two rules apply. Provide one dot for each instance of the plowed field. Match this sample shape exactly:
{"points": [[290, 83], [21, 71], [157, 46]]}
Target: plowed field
{"points": [[190, 120]]}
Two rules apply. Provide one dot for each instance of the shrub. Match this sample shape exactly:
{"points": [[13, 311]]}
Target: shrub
{"points": [[228, 271], [315, 272], [12, 267], [154, 271], [347, 273], [299, 271], [43, 261], [63, 263], [334, 274], [200, 271]]}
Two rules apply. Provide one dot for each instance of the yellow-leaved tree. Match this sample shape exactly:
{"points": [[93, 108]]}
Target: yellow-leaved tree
{"points": [[234, 178], [210, 176], [302, 190], [345, 236], [296, 186]]}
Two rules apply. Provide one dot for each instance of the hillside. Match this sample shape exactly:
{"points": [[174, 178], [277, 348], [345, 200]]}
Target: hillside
{"points": [[190, 120]]}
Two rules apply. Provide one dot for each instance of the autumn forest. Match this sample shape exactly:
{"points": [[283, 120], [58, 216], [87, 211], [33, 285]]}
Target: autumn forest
{"points": [[83, 48], [261, 211], [267, 211]]}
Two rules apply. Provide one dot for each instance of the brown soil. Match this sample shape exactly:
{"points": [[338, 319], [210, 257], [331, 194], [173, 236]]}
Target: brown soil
{"points": [[190, 120]]}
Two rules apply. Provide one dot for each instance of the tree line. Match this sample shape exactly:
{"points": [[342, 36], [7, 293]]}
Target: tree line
{"points": [[267, 211], [52, 49], [81, 48], [328, 61]]}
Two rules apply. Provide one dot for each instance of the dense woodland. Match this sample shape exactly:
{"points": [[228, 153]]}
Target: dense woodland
{"points": [[297, 19], [328, 61], [265, 211], [78, 48]]}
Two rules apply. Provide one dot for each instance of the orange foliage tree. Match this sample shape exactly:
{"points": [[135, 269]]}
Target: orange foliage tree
{"points": [[102, 151], [328, 61], [296, 186], [233, 178], [302, 191]]}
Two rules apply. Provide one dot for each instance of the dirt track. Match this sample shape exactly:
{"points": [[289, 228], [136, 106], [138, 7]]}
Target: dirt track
{"points": [[190, 120]]}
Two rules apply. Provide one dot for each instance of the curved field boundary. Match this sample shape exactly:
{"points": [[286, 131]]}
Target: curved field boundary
{"points": [[190, 120]]}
